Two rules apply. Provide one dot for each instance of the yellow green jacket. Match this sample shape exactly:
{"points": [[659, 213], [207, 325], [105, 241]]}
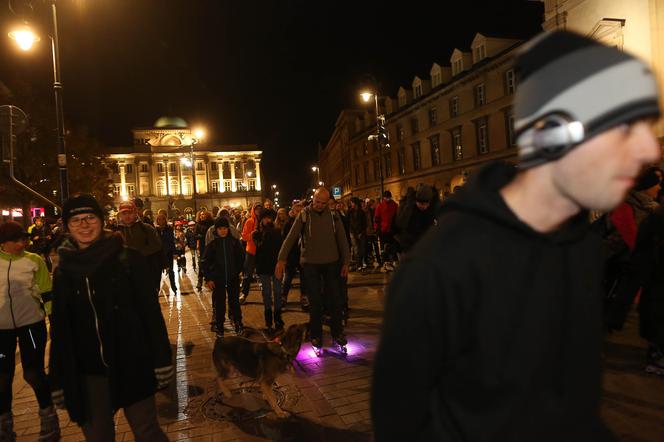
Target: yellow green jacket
{"points": [[24, 280]]}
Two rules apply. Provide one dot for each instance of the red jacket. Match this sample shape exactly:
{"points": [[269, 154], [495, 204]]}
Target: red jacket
{"points": [[622, 217], [384, 216]]}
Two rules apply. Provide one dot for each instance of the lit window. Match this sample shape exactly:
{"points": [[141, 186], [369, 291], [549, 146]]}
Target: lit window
{"points": [[213, 166], [144, 167], [401, 161], [172, 167], [129, 168], [160, 168], [457, 146], [482, 136]]}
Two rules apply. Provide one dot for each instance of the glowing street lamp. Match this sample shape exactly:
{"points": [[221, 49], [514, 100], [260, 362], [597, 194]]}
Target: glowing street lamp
{"points": [[25, 39], [380, 121]]}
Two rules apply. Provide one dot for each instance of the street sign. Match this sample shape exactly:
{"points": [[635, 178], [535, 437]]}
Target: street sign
{"points": [[336, 191]]}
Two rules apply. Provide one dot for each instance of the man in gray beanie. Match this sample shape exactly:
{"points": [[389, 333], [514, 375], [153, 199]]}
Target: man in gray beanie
{"points": [[496, 313]]}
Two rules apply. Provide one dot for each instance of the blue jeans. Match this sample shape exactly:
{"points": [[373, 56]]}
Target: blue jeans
{"points": [[271, 289]]}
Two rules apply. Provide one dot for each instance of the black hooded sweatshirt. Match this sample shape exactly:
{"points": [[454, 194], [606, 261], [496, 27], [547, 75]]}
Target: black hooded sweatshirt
{"points": [[492, 331]]}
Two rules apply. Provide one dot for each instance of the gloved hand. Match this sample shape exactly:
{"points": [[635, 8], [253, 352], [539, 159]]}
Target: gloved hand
{"points": [[163, 376], [58, 398]]}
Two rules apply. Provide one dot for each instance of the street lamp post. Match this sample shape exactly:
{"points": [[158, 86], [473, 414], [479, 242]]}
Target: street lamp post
{"points": [[380, 121], [25, 38]]}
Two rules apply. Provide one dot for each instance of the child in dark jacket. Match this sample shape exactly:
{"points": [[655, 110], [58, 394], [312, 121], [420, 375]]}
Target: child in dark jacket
{"points": [[221, 265], [268, 241]]}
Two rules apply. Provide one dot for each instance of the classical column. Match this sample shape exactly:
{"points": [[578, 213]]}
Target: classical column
{"points": [[123, 181], [257, 163], [220, 169], [244, 174], [181, 181], [168, 187], [151, 182], [233, 186], [207, 174], [137, 176]]}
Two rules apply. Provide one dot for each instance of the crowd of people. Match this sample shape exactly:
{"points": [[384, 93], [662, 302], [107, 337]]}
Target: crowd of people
{"points": [[110, 347]]}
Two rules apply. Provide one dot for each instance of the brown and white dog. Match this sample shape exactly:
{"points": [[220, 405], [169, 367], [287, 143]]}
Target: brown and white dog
{"points": [[262, 361]]}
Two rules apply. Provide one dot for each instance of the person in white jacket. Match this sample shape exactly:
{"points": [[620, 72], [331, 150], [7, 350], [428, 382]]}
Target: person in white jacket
{"points": [[25, 289]]}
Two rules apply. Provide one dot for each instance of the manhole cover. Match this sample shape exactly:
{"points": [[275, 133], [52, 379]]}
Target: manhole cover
{"points": [[245, 404]]}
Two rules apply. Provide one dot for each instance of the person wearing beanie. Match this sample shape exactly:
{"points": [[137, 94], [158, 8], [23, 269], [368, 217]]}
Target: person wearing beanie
{"points": [[221, 264], [268, 240], [415, 216], [142, 237], [212, 231], [101, 358], [25, 299], [498, 310]]}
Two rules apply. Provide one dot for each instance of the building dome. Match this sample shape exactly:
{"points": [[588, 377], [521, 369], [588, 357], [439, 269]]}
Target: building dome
{"points": [[171, 123]]}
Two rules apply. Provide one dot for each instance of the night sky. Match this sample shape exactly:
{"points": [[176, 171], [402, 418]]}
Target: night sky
{"points": [[274, 72]]}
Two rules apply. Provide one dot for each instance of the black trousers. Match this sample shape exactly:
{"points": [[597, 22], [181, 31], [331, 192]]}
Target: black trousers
{"points": [[232, 289], [31, 342], [324, 281]]}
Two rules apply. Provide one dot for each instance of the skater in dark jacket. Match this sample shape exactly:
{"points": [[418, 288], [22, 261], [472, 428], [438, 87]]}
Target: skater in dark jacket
{"points": [[221, 264], [167, 237], [109, 347], [416, 215], [268, 241], [504, 335]]}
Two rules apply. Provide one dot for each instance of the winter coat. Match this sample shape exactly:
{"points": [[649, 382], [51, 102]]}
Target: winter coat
{"points": [[201, 230], [167, 237], [222, 260], [41, 238], [412, 223], [268, 242], [357, 221], [384, 216], [247, 230], [107, 321], [293, 258], [143, 237], [322, 238], [503, 331], [24, 279]]}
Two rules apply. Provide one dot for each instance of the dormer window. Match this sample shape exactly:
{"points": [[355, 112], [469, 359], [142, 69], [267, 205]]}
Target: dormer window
{"points": [[480, 53], [457, 66], [402, 100], [418, 90], [436, 79]]}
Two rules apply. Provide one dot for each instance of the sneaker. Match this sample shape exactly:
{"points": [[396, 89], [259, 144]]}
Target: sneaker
{"points": [[340, 339], [656, 367], [219, 333], [50, 425], [239, 328]]}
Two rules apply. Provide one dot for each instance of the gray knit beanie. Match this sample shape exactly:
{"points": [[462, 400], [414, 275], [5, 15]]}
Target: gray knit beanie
{"points": [[572, 88]]}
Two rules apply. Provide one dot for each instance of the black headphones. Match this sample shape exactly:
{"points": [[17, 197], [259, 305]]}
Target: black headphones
{"points": [[549, 138]]}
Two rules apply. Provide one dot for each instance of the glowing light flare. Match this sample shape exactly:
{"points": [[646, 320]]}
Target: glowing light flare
{"points": [[185, 161], [366, 96], [24, 37], [199, 133]]}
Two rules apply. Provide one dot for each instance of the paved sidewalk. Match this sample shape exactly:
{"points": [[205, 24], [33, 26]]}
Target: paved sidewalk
{"points": [[328, 396]]}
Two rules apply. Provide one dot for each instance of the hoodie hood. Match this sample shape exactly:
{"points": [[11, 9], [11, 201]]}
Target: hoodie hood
{"points": [[481, 196]]}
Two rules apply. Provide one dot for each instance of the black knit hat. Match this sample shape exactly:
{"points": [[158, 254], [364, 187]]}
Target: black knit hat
{"points": [[647, 179], [80, 204], [268, 213], [572, 88], [12, 231], [222, 221]]}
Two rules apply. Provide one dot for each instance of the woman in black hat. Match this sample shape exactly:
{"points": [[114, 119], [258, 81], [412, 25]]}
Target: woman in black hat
{"points": [[110, 347]]}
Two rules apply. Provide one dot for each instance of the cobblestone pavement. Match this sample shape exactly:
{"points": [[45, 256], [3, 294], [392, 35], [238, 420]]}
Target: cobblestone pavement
{"points": [[328, 396]]}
